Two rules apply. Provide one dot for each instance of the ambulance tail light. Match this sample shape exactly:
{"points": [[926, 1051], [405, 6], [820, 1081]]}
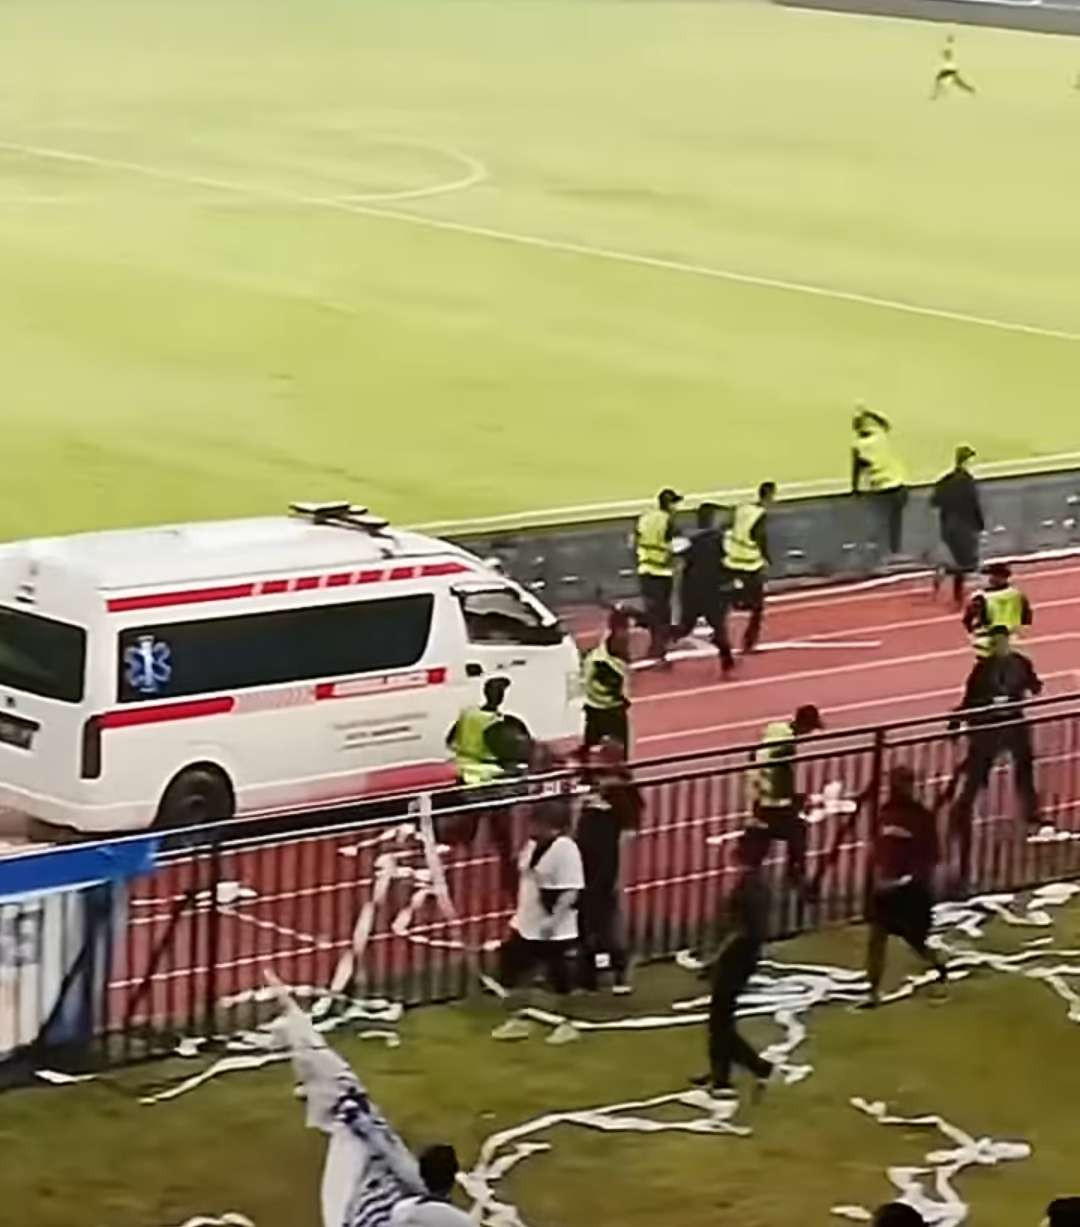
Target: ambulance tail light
{"points": [[91, 749]]}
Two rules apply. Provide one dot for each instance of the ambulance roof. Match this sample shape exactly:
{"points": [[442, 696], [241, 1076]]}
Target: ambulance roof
{"points": [[213, 550]]}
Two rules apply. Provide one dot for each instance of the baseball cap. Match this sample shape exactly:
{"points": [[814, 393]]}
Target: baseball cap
{"points": [[667, 495], [999, 570], [964, 452]]}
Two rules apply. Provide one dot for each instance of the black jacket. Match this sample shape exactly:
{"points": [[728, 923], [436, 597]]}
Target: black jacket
{"points": [[703, 561], [1001, 684], [956, 497]]}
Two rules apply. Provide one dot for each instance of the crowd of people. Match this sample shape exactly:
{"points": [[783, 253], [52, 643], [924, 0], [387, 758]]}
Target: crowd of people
{"points": [[566, 877]]}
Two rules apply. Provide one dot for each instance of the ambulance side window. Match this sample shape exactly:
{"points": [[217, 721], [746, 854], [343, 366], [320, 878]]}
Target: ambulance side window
{"points": [[499, 615]]}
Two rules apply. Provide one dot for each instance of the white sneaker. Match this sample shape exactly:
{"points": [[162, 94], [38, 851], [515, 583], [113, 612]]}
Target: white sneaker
{"points": [[622, 989], [564, 1033], [513, 1029]]}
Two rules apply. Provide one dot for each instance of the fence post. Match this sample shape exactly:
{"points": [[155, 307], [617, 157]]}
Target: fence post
{"points": [[213, 938], [877, 774]]}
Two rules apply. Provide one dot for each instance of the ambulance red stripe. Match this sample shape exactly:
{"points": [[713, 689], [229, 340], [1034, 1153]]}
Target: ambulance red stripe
{"points": [[275, 587]]}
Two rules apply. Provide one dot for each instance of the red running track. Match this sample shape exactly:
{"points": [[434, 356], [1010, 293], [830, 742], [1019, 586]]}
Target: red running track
{"points": [[300, 897], [917, 665]]}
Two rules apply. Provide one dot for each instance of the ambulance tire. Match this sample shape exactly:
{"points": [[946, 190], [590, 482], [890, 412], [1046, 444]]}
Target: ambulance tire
{"points": [[200, 794]]}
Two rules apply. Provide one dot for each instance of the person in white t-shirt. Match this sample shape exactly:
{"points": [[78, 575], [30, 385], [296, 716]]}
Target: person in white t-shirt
{"points": [[438, 1170], [544, 929]]}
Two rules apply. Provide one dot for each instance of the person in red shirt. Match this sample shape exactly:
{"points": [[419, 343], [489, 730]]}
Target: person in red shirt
{"points": [[905, 854]]}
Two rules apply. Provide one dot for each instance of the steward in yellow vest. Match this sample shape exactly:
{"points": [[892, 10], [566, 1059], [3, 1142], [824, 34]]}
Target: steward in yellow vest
{"points": [[1000, 603], [746, 557], [606, 676], [775, 804], [653, 535], [485, 742], [877, 471]]}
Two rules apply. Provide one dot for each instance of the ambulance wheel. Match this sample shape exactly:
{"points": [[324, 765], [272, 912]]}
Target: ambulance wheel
{"points": [[196, 796]]}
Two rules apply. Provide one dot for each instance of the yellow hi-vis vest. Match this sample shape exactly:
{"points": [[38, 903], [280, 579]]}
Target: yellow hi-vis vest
{"points": [[654, 555], [475, 762], [741, 551], [770, 778], [1004, 607], [598, 694], [885, 470]]}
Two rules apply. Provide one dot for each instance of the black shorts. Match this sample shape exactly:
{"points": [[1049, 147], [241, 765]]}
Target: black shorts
{"points": [[905, 911], [519, 957]]}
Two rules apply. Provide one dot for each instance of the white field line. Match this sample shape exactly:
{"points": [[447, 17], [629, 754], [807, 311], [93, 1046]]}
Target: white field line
{"points": [[476, 172], [832, 708], [810, 674]]}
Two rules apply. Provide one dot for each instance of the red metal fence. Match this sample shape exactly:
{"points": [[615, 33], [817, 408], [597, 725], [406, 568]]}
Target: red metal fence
{"points": [[226, 905]]}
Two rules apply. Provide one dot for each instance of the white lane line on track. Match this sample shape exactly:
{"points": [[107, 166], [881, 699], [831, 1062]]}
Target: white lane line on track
{"points": [[542, 243], [920, 696], [731, 687]]}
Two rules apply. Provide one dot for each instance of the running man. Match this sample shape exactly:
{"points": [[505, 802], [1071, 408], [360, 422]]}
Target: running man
{"points": [[905, 854], [949, 72]]}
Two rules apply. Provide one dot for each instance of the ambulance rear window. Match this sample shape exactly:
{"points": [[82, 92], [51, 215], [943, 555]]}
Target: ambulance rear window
{"points": [[296, 645], [42, 656]]}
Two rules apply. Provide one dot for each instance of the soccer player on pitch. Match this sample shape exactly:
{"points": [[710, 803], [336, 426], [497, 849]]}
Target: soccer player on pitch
{"points": [[949, 73]]}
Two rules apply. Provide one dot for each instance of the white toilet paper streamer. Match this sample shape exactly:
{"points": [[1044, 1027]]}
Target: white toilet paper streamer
{"points": [[928, 1188]]}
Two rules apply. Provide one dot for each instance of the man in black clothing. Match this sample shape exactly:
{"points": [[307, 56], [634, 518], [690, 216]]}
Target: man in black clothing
{"points": [[731, 971], [610, 811], [959, 508], [993, 699], [701, 592]]}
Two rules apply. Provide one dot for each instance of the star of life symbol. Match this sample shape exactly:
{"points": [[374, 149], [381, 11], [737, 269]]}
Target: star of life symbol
{"points": [[148, 665]]}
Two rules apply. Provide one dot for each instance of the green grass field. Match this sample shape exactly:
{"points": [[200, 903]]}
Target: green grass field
{"points": [[1000, 1060], [195, 318]]}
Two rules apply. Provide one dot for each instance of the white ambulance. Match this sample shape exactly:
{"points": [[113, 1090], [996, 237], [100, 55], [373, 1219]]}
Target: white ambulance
{"points": [[175, 675]]}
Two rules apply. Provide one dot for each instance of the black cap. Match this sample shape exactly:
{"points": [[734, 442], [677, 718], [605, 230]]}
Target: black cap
{"points": [[964, 453], [667, 497], [999, 570]]}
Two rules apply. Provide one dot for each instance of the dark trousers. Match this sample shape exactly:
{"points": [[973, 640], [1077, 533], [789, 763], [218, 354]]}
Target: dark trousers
{"points": [[656, 593], [598, 933], [776, 822], [985, 747], [602, 722], [887, 510], [727, 1047], [714, 609], [748, 593], [519, 957], [962, 542]]}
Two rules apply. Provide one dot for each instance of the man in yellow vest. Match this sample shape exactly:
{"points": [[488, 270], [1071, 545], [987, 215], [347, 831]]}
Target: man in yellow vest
{"points": [[653, 537], [746, 558], [776, 806], [1000, 603], [606, 674], [877, 471], [485, 742]]}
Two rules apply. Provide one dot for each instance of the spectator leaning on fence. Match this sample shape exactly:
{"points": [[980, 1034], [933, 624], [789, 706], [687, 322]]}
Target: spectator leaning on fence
{"points": [[878, 473], [653, 537]]}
